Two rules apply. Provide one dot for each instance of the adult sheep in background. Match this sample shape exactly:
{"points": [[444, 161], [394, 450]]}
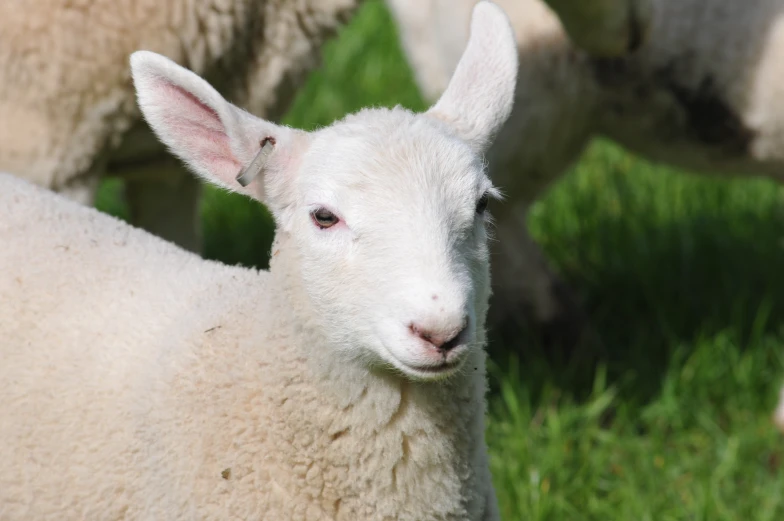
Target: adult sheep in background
{"points": [[607, 28], [702, 91], [67, 104], [143, 382]]}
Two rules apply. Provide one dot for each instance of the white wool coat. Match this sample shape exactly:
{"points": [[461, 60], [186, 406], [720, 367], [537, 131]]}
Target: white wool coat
{"points": [[142, 382]]}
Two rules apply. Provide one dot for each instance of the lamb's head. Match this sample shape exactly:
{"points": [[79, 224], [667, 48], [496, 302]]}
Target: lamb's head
{"points": [[385, 209]]}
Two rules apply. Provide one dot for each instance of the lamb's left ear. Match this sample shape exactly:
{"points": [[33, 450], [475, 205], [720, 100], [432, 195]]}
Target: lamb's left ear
{"points": [[480, 95], [214, 138]]}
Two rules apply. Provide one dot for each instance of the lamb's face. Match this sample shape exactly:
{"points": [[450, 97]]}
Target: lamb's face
{"points": [[386, 208], [390, 222]]}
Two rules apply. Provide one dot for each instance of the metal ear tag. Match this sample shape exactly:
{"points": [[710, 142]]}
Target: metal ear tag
{"points": [[254, 168]]}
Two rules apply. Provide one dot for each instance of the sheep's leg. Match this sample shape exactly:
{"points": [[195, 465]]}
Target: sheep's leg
{"points": [[491, 505], [164, 200], [526, 288], [778, 416], [432, 37], [605, 28]]}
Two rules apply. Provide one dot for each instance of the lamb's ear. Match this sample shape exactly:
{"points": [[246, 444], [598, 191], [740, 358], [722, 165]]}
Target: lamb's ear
{"points": [[214, 138], [480, 95]]}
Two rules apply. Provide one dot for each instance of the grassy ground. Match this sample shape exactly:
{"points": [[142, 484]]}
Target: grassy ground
{"points": [[681, 277]]}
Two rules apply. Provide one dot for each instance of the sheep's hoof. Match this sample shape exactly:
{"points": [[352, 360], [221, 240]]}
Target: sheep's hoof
{"points": [[605, 28]]}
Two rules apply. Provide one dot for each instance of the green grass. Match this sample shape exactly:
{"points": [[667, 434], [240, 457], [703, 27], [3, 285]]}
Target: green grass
{"points": [[682, 279]]}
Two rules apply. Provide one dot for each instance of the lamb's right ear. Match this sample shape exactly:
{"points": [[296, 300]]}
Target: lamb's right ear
{"points": [[480, 95], [214, 138]]}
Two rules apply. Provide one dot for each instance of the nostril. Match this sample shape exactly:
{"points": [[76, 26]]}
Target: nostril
{"points": [[444, 342], [456, 339]]}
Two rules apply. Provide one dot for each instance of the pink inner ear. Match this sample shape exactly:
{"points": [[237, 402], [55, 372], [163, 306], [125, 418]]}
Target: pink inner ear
{"points": [[197, 133]]}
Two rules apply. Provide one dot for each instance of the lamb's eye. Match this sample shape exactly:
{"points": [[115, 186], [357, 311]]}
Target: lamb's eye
{"points": [[481, 205], [323, 218]]}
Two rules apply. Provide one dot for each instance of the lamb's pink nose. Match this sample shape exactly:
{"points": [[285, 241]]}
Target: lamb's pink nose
{"points": [[444, 341]]}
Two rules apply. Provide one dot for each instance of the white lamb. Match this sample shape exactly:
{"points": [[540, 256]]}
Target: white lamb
{"points": [[143, 382], [703, 92], [67, 105]]}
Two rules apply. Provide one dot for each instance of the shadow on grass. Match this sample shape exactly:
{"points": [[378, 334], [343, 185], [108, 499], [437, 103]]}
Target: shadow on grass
{"points": [[659, 259]]}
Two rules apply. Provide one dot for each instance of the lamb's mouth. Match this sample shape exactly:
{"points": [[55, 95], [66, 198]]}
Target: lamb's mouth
{"points": [[448, 365], [437, 369], [442, 370]]}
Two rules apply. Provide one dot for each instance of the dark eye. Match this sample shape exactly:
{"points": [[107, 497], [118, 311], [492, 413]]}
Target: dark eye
{"points": [[481, 205], [323, 218]]}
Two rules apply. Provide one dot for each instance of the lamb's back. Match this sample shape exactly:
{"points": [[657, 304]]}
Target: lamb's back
{"points": [[90, 308]]}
